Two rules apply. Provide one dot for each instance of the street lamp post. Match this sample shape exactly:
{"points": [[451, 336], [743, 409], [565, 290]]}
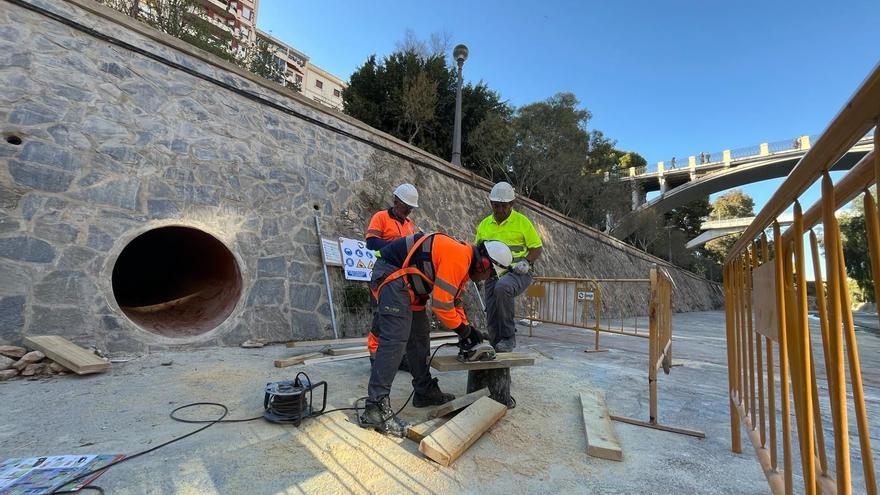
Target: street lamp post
{"points": [[460, 54]]}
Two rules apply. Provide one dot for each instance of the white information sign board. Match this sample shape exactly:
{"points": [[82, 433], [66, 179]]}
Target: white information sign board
{"points": [[332, 253], [585, 295], [357, 260]]}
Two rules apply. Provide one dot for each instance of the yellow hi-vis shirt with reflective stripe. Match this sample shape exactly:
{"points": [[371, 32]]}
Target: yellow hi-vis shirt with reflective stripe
{"points": [[516, 231]]}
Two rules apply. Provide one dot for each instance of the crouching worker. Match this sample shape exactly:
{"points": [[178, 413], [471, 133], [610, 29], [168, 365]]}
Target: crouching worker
{"points": [[409, 271]]}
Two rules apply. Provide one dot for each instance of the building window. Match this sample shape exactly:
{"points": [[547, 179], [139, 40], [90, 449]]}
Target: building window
{"points": [[319, 84], [246, 12], [336, 93]]}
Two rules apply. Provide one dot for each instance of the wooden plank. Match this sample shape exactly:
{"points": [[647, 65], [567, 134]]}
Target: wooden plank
{"points": [[330, 359], [346, 351], [448, 442], [419, 431], [459, 403], [502, 360], [293, 361], [67, 354], [313, 343], [356, 340], [601, 438], [764, 301]]}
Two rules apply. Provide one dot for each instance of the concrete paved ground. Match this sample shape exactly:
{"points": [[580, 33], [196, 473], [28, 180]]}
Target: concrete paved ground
{"points": [[538, 447]]}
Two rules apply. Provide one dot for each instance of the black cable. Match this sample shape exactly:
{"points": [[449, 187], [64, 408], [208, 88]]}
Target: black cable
{"points": [[211, 422], [157, 447]]}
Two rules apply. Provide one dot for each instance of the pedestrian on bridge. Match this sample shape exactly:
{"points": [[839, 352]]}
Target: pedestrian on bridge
{"points": [[516, 231]]}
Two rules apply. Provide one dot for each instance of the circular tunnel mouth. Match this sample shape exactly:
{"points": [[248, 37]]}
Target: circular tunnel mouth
{"points": [[176, 281]]}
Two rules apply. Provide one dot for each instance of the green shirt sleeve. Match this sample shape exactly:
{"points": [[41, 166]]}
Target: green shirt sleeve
{"points": [[530, 234]]}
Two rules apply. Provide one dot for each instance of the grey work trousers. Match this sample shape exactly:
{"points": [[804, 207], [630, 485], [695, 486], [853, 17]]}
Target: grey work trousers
{"points": [[500, 295], [401, 331]]}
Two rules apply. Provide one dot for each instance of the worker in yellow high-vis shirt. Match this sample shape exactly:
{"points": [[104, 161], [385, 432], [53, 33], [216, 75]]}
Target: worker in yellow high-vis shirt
{"points": [[516, 231]]}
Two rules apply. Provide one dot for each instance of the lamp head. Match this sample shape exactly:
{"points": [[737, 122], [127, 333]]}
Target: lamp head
{"points": [[460, 53]]}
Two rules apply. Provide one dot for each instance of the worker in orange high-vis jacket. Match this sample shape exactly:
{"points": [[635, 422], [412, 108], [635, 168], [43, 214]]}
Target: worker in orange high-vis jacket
{"points": [[386, 226], [409, 271]]}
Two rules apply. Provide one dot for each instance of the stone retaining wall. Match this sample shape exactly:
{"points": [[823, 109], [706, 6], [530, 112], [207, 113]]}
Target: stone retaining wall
{"points": [[124, 130]]}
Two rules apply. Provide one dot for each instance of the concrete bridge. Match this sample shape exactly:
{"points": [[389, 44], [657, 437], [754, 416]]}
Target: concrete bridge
{"points": [[679, 185]]}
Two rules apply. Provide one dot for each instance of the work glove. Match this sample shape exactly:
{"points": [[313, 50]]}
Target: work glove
{"points": [[468, 336], [521, 267]]}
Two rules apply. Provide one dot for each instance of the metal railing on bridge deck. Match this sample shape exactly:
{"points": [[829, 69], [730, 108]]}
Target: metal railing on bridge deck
{"points": [[767, 319]]}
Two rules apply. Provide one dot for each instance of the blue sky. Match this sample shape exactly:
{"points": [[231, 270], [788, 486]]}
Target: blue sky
{"points": [[663, 78]]}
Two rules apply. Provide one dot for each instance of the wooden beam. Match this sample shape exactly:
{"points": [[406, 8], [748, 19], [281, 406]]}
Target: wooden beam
{"points": [[67, 354], [419, 431], [330, 359], [346, 350], [293, 361], [448, 442], [601, 438], [459, 403], [356, 340], [502, 360], [314, 343]]}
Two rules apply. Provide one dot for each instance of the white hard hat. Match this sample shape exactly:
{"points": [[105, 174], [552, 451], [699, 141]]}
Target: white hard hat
{"points": [[408, 194], [500, 255], [502, 192]]}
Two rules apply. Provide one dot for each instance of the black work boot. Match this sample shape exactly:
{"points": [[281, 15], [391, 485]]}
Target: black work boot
{"points": [[432, 396], [380, 417]]}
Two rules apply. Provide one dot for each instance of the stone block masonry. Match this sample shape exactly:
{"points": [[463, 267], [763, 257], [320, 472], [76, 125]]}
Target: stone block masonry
{"points": [[152, 196]]}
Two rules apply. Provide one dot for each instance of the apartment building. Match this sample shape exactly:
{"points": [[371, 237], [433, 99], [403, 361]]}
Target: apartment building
{"points": [[299, 72]]}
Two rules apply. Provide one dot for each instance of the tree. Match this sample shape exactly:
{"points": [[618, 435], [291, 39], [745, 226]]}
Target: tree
{"points": [[410, 94], [732, 204], [855, 252], [262, 61], [418, 102], [689, 217]]}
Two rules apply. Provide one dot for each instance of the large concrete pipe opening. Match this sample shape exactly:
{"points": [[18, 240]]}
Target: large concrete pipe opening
{"points": [[176, 281]]}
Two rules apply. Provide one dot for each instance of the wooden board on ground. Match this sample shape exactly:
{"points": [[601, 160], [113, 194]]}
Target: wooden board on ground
{"points": [[445, 444], [355, 340], [67, 354], [346, 350], [502, 360], [314, 343], [456, 404], [330, 359], [601, 438], [293, 361], [419, 431]]}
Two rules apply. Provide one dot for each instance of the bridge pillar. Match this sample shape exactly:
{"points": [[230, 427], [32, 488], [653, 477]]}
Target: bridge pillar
{"points": [[764, 149], [725, 157], [638, 196], [692, 165], [661, 170]]}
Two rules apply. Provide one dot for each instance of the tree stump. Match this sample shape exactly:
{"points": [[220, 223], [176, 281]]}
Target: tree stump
{"points": [[496, 380]]}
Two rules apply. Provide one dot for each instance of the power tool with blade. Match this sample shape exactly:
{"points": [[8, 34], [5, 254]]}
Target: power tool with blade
{"points": [[480, 352]]}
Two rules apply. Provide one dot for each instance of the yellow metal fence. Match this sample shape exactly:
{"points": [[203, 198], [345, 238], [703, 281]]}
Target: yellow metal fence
{"points": [[778, 369]]}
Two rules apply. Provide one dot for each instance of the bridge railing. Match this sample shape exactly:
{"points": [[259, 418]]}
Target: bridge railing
{"points": [[777, 357]]}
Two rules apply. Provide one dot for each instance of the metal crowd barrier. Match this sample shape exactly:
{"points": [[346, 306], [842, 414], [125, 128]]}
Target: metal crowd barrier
{"points": [[771, 351]]}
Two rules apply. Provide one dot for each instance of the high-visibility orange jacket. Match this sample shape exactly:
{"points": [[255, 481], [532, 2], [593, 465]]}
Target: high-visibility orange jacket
{"points": [[387, 227], [434, 264]]}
